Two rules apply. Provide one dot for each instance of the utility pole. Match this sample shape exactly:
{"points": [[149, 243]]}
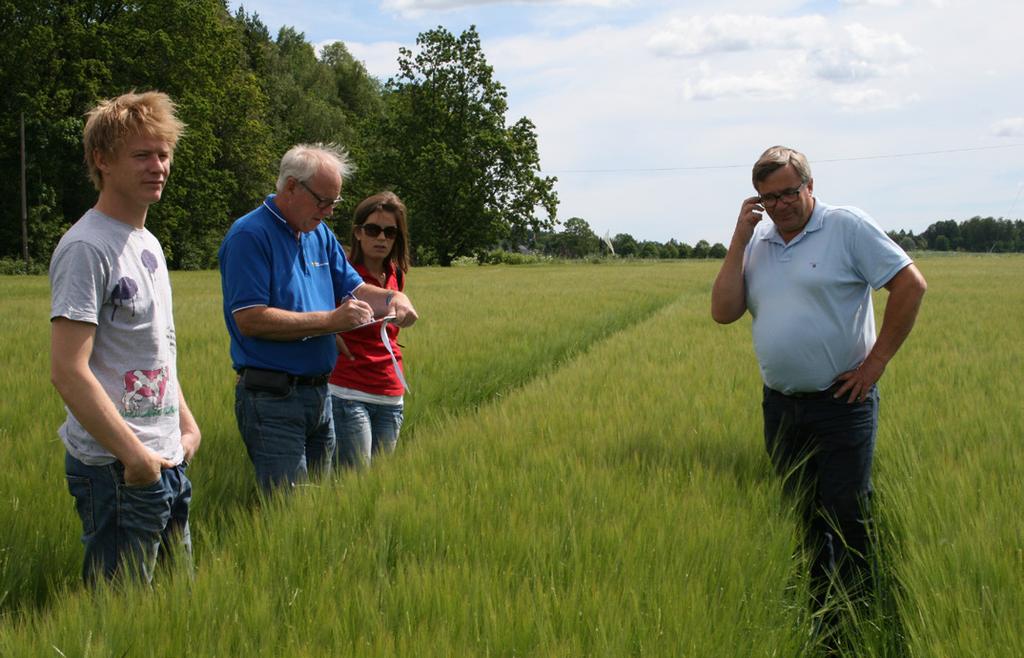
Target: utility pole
{"points": [[24, 198]]}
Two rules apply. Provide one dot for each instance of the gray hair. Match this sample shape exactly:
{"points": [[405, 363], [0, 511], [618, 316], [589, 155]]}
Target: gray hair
{"points": [[302, 161], [776, 158]]}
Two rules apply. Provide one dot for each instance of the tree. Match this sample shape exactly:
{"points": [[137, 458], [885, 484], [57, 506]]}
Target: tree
{"points": [[575, 241], [701, 249], [717, 250], [625, 244], [469, 180], [51, 66], [358, 97], [649, 249], [61, 57], [949, 229]]}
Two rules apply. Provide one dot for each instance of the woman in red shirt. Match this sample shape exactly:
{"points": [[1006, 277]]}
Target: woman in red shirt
{"points": [[366, 389]]}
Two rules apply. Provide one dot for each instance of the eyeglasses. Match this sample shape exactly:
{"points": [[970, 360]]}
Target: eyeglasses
{"points": [[770, 199], [321, 203], [373, 230]]}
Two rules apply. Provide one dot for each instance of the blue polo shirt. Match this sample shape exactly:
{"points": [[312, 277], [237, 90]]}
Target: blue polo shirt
{"points": [[262, 263], [811, 299]]}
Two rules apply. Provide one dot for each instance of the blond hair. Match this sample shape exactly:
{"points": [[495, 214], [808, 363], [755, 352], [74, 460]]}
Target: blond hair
{"points": [[113, 120]]}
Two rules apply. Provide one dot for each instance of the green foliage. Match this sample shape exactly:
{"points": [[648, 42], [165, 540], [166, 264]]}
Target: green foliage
{"points": [[64, 56], [244, 98], [575, 240], [625, 245], [701, 250], [468, 179], [10, 265], [977, 234], [502, 257]]}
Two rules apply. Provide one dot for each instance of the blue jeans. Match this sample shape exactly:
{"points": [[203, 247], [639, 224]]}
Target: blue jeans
{"points": [[287, 436], [823, 448], [364, 429], [126, 529]]}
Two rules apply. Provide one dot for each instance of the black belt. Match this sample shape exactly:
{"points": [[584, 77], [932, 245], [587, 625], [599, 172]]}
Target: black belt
{"points": [[309, 380], [295, 380], [810, 395]]}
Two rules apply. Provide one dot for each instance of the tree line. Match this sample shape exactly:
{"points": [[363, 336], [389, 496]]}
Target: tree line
{"points": [[977, 234], [576, 239], [436, 133]]}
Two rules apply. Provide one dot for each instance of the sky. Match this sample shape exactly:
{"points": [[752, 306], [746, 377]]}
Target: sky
{"points": [[651, 114]]}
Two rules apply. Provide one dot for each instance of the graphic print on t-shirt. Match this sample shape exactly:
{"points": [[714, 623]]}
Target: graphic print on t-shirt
{"points": [[144, 393], [123, 292], [149, 261]]}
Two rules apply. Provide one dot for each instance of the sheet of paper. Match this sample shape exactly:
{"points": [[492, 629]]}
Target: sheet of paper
{"points": [[383, 318]]}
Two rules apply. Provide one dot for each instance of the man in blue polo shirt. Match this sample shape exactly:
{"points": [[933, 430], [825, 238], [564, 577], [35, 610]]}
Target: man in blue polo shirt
{"points": [[287, 290], [806, 277]]}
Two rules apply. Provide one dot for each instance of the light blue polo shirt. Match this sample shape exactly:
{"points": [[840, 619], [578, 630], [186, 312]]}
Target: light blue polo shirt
{"points": [[263, 264], [811, 299]]}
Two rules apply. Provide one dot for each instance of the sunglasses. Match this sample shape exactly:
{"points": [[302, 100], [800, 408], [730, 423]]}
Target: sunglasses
{"points": [[373, 230]]}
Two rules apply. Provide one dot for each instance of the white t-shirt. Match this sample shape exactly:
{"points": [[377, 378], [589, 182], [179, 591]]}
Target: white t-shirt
{"points": [[114, 276]]}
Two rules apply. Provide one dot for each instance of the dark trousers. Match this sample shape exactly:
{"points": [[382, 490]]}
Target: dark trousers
{"points": [[823, 448], [126, 529], [288, 435]]}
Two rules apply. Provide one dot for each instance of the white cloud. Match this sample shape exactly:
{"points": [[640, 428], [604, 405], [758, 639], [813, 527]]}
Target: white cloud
{"points": [[871, 99], [818, 50], [1012, 127], [417, 7], [380, 57], [873, 3], [861, 53], [841, 54], [701, 35], [896, 4], [745, 85]]}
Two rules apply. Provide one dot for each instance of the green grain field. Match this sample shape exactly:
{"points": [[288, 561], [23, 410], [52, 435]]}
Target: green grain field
{"points": [[581, 473]]}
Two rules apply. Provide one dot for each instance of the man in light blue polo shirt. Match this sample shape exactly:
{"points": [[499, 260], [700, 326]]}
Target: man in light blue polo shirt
{"points": [[806, 277], [287, 290]]}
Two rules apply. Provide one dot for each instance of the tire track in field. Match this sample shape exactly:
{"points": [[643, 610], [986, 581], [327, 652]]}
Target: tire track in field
{"points": [[573, 328]]}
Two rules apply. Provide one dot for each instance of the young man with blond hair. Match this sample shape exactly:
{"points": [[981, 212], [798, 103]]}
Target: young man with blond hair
{"points": [[129, 433]]}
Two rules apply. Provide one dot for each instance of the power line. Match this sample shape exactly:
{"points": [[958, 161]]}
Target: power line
{"points": [[1020, 189], [890, 156]]}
